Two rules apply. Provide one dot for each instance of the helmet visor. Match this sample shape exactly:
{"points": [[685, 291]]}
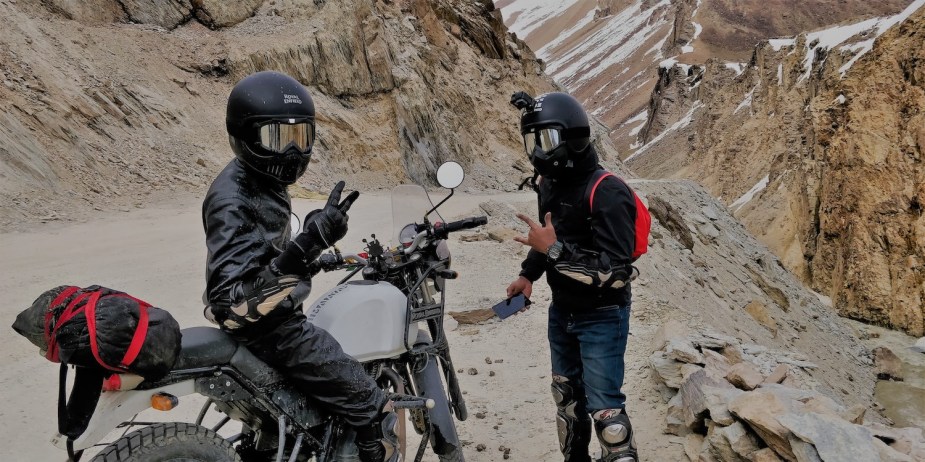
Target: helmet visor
{"points": [[546, 139], [279, 136]]}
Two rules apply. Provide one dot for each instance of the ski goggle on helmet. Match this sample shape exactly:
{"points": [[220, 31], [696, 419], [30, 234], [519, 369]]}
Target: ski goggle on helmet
{"points": [[279, 135], [546, 138]]}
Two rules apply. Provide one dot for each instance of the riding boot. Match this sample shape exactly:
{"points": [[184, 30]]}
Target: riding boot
{"points": [[378, 442]]}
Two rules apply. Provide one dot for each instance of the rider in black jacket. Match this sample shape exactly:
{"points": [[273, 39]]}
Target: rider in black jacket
{"points": [[586, 252], [257, 278]]}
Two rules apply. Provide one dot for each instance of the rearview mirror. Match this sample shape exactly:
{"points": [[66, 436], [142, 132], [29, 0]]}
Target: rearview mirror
{"points": [[450, 175]]}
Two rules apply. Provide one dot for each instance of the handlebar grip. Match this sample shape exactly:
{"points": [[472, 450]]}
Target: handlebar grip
{"points": [[468, 223]]}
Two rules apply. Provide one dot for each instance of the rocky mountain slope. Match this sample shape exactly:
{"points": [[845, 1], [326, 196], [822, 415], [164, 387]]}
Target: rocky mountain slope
{"points": [[815, 145], [607, 51], [111, 104]]}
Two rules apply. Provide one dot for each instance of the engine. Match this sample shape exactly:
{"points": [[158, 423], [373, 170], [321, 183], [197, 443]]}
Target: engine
{"points": [[368, 318]]}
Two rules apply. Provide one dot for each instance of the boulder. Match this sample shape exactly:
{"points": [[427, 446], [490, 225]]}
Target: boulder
{"points": [[887, 364], [683, 350], [693, 446], [717, 401], [888, 454], [674, 418], [778, 374], [671, 329], [694, 399], [744, 376], [765, 455], [804, 451], [221, 13], [718, 446], [761, 409], [667, 370], [166, 13], [909, 441], [834, 438], [716, 365], [739, 439]]}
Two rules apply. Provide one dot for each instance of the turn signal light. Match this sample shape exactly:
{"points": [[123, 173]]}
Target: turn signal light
{"points": [[164, 401]]}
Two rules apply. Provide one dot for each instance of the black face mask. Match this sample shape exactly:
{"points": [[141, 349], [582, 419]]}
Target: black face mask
{"points": [[290, 167], [551, 164]]}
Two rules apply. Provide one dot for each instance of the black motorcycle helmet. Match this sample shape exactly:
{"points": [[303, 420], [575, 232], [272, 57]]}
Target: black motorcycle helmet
{"points": [[271, 125], [557, 135]]}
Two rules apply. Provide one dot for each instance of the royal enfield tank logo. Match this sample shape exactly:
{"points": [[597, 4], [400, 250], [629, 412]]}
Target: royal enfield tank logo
{"points": [[538, 106], [291, 99]]}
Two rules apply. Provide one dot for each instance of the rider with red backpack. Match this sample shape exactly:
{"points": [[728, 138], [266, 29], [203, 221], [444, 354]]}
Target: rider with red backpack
{"points": [[592, 228]]}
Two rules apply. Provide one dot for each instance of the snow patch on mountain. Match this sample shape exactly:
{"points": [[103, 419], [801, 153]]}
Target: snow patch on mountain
{"points": [[611, 43], [531, 14], [762, 183]]}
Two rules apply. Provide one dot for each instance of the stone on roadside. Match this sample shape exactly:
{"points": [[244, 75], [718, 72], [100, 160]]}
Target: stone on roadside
{"points": [[668, 370], [477, 237], [887, 364], [888, 454], [473, 316], [694, 400], [855, 414], [717, 401], [683, 350], [693, 445], [778, 374], [671, 329], [742, 442], [765, 455], [716, 365], [804, 451], [674, 419], [744, 376], [760, 409], [733, 353], [502, 234], [834, 438]]}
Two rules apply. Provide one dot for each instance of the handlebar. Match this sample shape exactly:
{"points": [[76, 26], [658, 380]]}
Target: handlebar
{"points": [[442, 230]]}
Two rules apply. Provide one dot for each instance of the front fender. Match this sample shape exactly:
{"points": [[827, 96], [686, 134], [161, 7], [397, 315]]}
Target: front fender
{"points": [[115, 407]]}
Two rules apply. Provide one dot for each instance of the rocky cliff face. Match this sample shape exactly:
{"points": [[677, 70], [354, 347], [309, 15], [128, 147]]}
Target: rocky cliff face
{"points": [[815, 146], [111, 103], [607, 52]]}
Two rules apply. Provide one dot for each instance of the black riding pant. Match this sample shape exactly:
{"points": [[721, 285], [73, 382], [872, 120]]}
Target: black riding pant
{"points": [[313, 360]]}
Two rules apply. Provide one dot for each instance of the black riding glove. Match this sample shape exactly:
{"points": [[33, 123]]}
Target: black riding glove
{"points": [[322, 229]]}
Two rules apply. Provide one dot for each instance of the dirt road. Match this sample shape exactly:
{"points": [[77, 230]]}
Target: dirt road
{"points": [[158, 254]]}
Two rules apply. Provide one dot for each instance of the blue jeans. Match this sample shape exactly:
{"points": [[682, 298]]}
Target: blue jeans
{"points": [[587, 348]]}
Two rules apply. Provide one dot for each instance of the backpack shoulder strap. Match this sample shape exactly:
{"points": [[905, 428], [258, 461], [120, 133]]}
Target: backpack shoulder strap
{"points": [[596, 180]]}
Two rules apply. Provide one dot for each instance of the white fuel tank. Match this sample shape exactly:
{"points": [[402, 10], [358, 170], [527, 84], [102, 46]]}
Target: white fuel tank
{"points": [[368, 318]]}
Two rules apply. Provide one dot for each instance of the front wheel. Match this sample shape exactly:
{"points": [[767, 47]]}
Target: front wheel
{"points": [[444, 440], [169, 441]]}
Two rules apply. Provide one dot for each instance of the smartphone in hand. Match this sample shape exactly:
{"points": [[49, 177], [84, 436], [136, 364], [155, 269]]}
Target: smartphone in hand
{"points": [[508, 307]]}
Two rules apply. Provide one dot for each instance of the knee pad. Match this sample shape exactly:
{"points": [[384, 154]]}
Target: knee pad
{"points": [[572, 421], [615, 433]]}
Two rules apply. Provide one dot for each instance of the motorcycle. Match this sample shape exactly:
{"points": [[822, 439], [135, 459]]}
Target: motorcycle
{"points": [[390, 320]]}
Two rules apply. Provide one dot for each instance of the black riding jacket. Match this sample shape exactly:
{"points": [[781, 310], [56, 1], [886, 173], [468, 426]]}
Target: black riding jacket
{"points": [[246, 220], [598, 244]]}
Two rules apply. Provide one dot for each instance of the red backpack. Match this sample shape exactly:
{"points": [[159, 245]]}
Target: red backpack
{"points": [[643, 221]]}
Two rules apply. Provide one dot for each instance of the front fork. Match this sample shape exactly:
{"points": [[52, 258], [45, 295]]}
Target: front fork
{"points": [[426, 374]]}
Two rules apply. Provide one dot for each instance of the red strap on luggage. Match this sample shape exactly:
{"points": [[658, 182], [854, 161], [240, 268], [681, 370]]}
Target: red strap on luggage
{"points": [[141, 331]]}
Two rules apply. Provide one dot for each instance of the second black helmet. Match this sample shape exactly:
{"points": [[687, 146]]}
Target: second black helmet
{"points": [[270, 120], [556, 132]]}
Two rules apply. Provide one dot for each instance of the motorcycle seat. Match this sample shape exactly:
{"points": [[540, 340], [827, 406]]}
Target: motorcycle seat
{"points": [[203, 347]]}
